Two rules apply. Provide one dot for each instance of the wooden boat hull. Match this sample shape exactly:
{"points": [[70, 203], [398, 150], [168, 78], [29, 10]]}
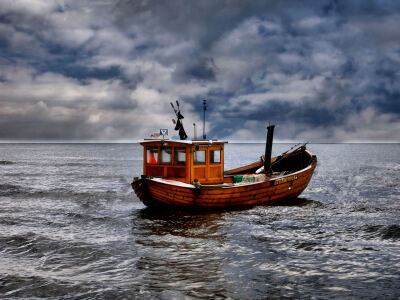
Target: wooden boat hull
{"points": [[156, 192]]}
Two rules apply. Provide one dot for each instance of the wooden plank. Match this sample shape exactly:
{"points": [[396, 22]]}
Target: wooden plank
{"points": [[168, 193], [171, 200]]}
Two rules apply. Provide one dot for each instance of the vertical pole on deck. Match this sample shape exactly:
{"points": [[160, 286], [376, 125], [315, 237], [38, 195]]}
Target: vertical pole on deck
{"points": [[268, 149], [204, 118]]}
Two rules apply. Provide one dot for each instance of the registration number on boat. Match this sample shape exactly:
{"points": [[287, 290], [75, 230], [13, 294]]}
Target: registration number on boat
{"points": [[285, 179]]}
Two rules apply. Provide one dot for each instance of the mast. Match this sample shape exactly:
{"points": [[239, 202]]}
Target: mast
{"points": [[204, 118], [268, 149]]}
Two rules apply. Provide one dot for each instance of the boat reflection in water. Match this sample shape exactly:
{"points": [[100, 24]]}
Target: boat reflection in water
{"points": [[197, 267]]}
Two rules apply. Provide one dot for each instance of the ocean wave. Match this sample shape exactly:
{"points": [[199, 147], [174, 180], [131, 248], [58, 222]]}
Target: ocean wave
{"points": [[308, 246], [15, 190], [366, 208], [34, 245], [24, 174], [9, 189], [32, 286], [78, 164], [27, 244], [35, 286], [386, 232]]}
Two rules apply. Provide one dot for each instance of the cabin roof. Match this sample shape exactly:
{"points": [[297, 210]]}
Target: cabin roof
{"points": [[186, 142]]}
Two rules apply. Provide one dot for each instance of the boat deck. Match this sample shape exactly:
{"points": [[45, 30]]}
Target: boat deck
{"points": [[221, 185]]}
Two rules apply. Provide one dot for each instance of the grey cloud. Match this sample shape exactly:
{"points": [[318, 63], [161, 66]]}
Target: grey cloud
{"points": [[324, 66]]}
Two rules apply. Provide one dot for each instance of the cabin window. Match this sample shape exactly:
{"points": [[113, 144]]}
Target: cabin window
{"points": [[152, 155], [166, 155], [215, 156], [180, 156], [199, 157]]}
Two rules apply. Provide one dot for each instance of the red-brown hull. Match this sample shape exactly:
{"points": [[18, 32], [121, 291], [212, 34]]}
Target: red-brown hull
{"points": [[155, 192]]}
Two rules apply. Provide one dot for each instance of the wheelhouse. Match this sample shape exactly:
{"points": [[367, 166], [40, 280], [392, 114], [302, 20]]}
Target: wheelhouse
{"points": [[184, 161]]}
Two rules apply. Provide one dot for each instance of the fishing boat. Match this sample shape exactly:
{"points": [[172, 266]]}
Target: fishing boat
{"points": [[190, 174]]}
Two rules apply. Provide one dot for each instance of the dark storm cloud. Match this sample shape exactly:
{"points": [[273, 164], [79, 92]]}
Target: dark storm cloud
{"points": [[197, 69], [95, 70], [80, 72]]}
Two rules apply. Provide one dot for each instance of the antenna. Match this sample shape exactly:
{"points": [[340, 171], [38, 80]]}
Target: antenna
{"points": [[204, 118], [178, 122], [176, 112]]}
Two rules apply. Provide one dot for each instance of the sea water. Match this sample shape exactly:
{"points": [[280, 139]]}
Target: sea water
{"points": [[71, 227]]}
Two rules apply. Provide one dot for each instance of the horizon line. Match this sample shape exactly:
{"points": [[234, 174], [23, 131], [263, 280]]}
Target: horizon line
{"points": [[229, 142]]}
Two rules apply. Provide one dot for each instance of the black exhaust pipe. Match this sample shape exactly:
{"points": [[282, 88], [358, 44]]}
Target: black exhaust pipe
{"points": [[268, 149]]}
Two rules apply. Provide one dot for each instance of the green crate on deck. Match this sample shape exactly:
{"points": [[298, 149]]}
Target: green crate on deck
{"points": [[237, 178]]}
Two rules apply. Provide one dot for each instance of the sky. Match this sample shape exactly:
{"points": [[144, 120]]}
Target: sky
{"points": [[101, 71]]}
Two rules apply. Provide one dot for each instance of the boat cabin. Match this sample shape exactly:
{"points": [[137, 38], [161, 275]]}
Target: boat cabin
{"points": [[184, 160]]}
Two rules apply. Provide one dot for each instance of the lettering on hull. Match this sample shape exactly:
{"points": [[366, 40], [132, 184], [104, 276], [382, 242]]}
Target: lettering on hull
{"points": [[285, 179]]}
